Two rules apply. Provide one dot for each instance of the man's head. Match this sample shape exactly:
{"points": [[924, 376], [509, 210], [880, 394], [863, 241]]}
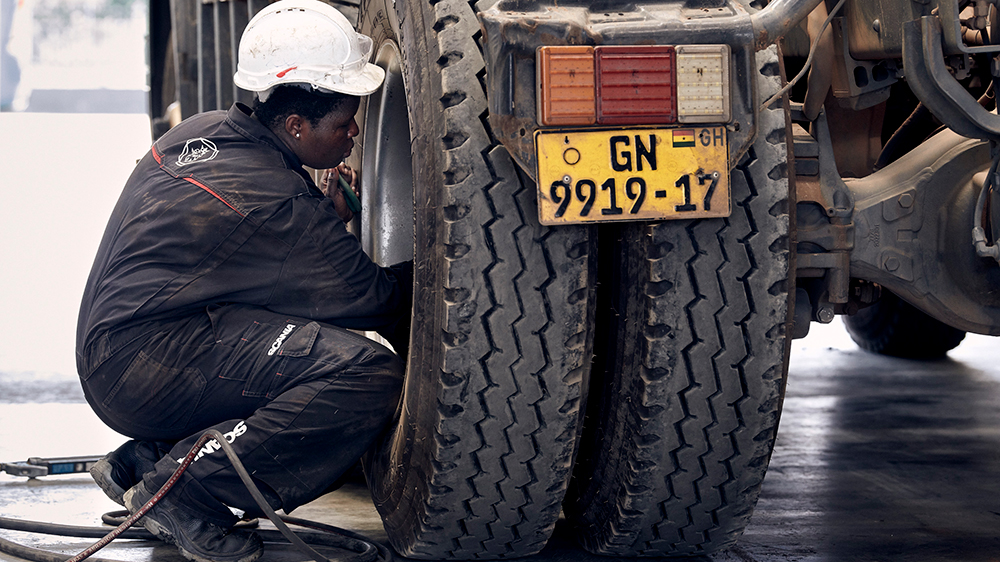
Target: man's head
{"points": [[307, 66], [319, 128]]}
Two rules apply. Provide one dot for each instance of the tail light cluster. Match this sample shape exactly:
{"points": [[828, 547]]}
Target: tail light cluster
{"points": [[634, 84]]}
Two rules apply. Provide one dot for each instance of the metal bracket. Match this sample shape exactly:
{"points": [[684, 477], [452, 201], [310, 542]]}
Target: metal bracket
{"points": [[859, 84], [818, 182], [928, 77]]}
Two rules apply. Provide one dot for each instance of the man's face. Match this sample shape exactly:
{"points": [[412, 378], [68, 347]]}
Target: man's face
{"points": [[331, 140]]}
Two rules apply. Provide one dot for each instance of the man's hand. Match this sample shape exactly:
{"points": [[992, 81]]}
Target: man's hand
{"points": [[331, 187]]}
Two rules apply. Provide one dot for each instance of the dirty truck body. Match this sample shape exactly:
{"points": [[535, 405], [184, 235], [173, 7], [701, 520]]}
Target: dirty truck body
{"points": [[616, 237]]}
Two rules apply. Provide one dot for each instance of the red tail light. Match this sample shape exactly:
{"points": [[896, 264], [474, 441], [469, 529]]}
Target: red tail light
{"points": [[635, 85]]}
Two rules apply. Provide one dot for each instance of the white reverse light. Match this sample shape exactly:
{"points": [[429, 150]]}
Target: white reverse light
{"points": [[702, 83]]}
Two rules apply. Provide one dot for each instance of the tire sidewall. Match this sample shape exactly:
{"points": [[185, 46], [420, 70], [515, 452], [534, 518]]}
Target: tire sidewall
{"points": [[393, 460]]}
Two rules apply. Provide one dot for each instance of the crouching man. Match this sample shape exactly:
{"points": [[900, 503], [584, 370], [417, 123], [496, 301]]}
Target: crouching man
{"points": [[223, 291]]}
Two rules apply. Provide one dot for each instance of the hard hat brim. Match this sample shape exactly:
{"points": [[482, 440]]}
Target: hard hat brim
{"points": [[364, 83]]}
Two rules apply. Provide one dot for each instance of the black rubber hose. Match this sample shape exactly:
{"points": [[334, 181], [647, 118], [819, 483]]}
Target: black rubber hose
{"points": [[330, 535], [365, 550], [36, 555], [67, 530]]}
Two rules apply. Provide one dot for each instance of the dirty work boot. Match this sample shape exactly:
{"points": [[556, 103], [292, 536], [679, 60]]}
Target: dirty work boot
{"points": [[123, 468], [196, 539]]}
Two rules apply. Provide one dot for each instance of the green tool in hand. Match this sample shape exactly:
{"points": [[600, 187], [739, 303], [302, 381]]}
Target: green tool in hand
{"points": [[353, 203]]}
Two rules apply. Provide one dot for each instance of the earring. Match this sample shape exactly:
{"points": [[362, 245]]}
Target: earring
{"points": [[298, 135]]}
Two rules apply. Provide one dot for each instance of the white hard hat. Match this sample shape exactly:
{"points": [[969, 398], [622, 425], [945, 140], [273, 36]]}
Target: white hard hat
{"points": [[305, 42]]}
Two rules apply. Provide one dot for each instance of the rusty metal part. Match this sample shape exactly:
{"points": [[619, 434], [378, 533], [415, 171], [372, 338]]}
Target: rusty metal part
{"points": [[813, 48], [778, 18], [874, 28], [954, 37], [929, 78], [856, 136], [824, 231], [821, 73], [821, 182], [514, 29], [859, 84], [905, 228]]}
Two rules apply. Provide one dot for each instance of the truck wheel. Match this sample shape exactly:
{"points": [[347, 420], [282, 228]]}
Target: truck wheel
{"points": [[498, 365], [687, 393], [894, 327]]}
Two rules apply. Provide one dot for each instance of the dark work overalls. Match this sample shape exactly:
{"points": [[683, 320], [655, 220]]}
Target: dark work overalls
{"points": [[221, 297]]}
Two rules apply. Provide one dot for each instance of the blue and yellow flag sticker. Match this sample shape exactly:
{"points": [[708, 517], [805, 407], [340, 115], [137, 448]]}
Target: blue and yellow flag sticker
{"points": [[683, 138]]}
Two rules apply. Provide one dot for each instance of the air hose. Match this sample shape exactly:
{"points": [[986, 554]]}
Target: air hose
{"points": [[363, 549]]}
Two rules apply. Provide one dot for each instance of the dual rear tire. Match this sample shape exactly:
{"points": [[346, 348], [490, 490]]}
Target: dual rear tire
{"points": [[689, 318]]}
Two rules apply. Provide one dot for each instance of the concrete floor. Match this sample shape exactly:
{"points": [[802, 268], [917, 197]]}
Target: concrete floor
{"points": [[877, 459]]}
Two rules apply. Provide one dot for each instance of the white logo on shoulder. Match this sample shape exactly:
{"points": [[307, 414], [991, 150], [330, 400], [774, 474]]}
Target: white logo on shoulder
{"points": [[197, 150]]}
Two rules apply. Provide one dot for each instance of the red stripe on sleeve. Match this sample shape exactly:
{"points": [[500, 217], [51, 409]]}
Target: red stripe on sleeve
{"points": [[214, 194]]}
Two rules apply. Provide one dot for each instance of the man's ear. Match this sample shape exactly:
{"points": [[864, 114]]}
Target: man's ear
{"points": [[294, 125]]}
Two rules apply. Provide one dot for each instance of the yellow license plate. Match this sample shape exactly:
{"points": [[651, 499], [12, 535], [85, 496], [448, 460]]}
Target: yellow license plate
{"points": [[632, 175]]}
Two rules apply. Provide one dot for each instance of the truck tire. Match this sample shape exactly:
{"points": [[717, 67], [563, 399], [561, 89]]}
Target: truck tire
{"points": [[894, 327], [687, 393], [479, 461]]}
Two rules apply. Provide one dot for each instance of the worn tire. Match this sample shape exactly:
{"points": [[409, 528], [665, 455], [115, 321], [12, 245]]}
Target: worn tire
{"points": [[478, 464], [894, 327], [687, 392]]}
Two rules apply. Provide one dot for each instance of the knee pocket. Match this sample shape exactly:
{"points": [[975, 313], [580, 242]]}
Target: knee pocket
{"points": [[260, 354]]}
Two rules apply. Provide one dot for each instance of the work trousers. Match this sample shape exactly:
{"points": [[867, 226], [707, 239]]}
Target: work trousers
{"points": [[299, 401]]}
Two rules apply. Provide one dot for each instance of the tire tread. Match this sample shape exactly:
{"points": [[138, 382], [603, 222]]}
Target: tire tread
{"points": [[681, 474], [516, 345]]}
